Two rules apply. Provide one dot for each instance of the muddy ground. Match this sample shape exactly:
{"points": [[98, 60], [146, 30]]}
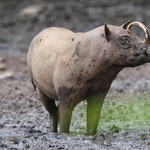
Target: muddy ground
{"points": [[24, 122]]}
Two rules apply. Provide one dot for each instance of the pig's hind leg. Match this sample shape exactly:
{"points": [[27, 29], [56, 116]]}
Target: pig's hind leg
{"points": [[51, 107]]}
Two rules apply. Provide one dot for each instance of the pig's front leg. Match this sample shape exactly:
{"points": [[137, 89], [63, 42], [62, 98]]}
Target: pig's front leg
{"points": [[94, 106]]}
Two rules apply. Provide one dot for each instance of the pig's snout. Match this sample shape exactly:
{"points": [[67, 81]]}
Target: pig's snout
{"points": [[146, 50]]}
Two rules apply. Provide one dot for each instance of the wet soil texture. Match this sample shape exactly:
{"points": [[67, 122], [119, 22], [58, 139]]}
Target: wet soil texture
{"points": [[24, 122]]}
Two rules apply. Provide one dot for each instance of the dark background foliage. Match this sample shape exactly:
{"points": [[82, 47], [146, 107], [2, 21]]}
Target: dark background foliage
{"points": [[21, 20]]}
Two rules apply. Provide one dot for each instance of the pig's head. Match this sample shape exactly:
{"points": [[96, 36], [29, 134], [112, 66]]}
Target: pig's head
{"points": [[126, 48]]}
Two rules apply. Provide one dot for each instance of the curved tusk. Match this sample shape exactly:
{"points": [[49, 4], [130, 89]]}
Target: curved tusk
{"points": [[142, 26]]}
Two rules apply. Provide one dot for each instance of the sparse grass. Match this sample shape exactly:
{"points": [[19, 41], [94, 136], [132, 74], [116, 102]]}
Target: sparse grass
{"points": [[124, 113]]}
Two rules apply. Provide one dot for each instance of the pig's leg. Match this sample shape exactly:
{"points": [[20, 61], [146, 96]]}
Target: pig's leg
{"points": [[65, 116], [50, 106], [94, 106]]}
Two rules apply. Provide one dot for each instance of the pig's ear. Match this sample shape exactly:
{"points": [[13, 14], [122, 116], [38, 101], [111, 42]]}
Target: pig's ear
{"points": [[107, 32], [124, 26]]}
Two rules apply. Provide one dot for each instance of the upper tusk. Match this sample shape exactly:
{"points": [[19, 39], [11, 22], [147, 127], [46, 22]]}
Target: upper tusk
{"points": [[142, 26]]}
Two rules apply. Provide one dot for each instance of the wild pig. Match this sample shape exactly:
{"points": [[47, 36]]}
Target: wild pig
{"points": [[70, 67]]}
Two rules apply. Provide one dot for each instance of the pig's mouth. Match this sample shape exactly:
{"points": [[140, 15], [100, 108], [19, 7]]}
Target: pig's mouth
{"points": [[138, 54]]}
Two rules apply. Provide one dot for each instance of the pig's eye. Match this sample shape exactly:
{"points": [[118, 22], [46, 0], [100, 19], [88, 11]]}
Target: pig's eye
{"points": [[125, 42]]}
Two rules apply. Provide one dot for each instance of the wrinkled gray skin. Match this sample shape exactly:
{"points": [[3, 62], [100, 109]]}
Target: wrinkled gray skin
{"points": [[70, 67]]}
